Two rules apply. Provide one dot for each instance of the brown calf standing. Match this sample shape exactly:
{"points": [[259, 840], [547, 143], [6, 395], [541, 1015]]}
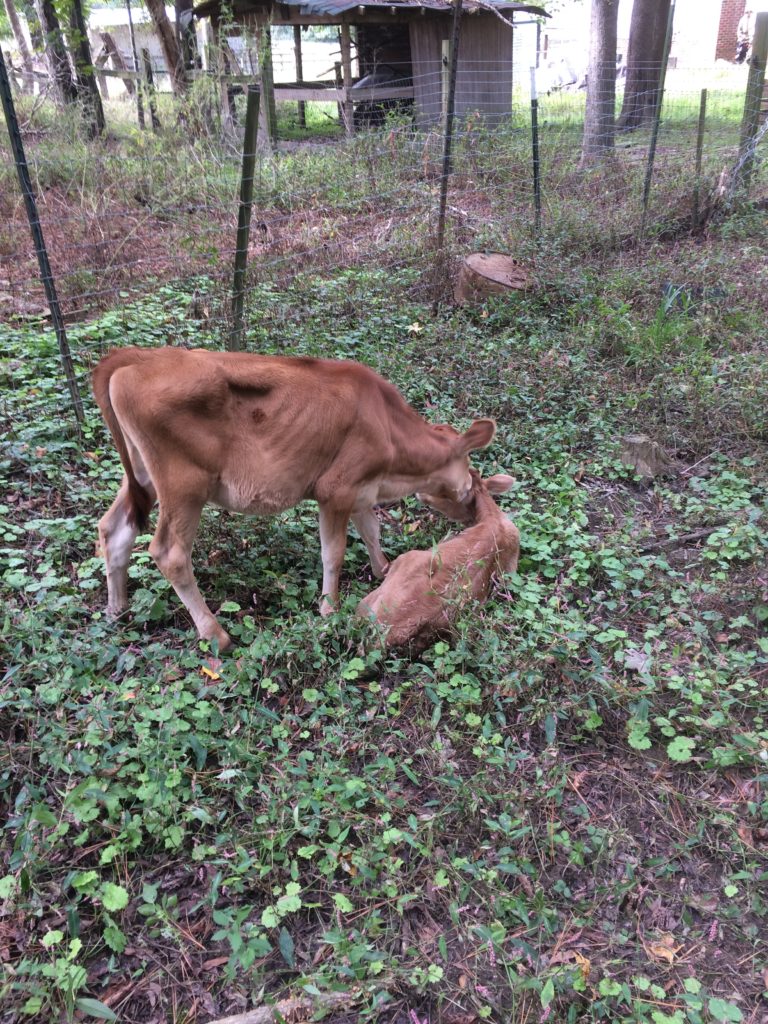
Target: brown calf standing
{"points": [[424, 590], [257, 435]]}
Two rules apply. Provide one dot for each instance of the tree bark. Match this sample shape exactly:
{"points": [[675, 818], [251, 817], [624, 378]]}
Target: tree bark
{"points": [[600, 118], [81, 51], [29, 11], [644, 55], [21, 43], [170, 46], [56, 51]]}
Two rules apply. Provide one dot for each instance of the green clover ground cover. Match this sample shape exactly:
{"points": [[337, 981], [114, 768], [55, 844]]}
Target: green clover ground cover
{"points": [[558, 812]]}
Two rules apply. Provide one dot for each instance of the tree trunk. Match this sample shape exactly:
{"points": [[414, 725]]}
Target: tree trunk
{"points": [[21, 43], [29, 11], [599, 121], [170, 47], [646, 49], [58, 58], [81, 51]]}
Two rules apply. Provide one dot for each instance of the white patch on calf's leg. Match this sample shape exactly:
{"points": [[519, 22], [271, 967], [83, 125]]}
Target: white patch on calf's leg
{"points": [[116, 539]]}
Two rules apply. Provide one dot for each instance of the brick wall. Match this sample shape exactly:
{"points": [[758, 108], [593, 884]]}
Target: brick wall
{"points": [[730, 13]]}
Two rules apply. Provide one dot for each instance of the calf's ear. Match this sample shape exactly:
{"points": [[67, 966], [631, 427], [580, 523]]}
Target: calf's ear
{"points": [[500, 484], [479, 435]]}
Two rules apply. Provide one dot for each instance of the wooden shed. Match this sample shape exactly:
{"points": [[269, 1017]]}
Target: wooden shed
{"points": [[390, 52]]}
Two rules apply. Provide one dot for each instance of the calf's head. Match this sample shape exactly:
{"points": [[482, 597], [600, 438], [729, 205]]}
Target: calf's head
{"points": [[463, 510], [452, 482]]}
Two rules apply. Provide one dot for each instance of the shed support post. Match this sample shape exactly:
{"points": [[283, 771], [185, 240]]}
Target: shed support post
{"points": [[267, 79], [299, 73], [149, 78], [346, 66]]}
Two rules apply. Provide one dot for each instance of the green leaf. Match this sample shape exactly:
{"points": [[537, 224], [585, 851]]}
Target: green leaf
{"points": [[270, 917], [149, 892], [115, 938], [84, 880], [681, 748], [114, 897], [43, 814], [609, 987], [7, 886], [731, 890], [547, 993], [342, 903], [724, 1011], [353, 669], [286, 947], [52, 938], [95, 1009]]}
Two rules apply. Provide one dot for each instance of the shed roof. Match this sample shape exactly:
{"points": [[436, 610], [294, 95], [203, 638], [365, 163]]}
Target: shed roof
{"points": [[331, 8]]}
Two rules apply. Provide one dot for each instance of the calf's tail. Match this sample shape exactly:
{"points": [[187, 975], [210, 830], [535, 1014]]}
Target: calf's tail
{"points": [[139, 498]]}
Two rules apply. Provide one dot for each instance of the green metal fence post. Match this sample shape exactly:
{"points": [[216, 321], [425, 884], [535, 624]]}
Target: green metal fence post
{"points": [[22, 169]]}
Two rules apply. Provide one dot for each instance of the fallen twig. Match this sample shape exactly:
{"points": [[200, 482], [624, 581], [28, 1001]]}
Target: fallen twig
{"points": [[682, 540]]}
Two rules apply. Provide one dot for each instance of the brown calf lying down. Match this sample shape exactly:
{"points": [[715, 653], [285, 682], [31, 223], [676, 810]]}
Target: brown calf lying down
{"points": [[258, 434], [424, 590]]}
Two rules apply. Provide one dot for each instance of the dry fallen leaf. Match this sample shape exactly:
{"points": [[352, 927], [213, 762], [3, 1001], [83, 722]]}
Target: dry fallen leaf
{"points": [[664, 948], [584, 965], [210, 673]]}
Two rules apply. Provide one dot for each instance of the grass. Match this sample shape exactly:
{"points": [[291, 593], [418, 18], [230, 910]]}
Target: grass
{"points": [[557, 812]]}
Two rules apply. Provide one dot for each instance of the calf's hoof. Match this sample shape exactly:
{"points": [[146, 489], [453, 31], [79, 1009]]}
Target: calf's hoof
{"points": [[220, 636], [114, 612]]}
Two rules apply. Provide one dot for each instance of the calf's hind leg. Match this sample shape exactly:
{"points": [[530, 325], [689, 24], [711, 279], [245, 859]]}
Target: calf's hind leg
{"points": [[117, 534], [171, 549]]}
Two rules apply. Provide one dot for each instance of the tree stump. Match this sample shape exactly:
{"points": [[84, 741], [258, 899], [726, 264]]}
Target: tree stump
{"points": [[489, 273], [646, 457]]}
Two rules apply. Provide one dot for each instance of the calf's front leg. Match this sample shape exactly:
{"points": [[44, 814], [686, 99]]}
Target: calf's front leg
{"points": [[368, 526], [333, 544]]}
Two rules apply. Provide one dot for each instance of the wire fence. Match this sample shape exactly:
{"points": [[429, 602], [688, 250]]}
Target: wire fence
{"points": [[128, 214]]}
